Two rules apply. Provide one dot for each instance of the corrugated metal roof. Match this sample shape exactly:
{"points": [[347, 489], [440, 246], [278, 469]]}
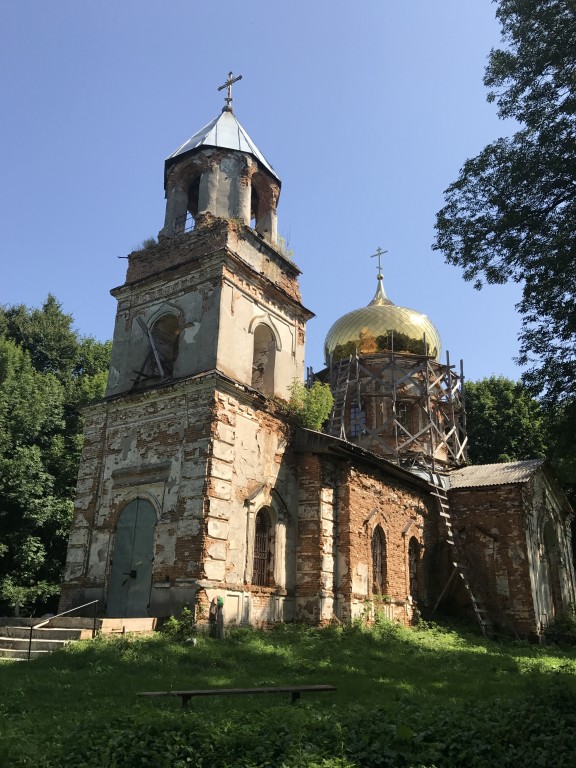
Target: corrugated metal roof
{"points": [[495, 474], [224, 131]]}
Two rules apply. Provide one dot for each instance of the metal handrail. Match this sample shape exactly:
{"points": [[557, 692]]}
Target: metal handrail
{"points": [[47, 621]]}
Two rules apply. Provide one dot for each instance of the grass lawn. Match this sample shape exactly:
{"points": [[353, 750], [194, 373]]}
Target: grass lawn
{"points": [[424, 697]]}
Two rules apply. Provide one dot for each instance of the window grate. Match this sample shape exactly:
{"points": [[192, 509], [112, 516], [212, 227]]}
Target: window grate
{"points": [[261, 550]]}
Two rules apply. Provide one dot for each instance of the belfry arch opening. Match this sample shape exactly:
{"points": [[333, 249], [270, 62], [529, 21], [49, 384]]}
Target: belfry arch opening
{"points": [[166, 335], [193, 196], [254, 207], [263, 359]]}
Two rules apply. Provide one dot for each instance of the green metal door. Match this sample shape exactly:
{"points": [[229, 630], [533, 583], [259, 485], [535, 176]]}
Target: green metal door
{"points": [[131, 567]]}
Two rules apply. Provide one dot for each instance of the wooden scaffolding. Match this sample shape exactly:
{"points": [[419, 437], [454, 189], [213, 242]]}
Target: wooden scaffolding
{"points": [[406, 407]]}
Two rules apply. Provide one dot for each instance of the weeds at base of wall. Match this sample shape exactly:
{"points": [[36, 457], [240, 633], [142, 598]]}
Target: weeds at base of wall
{"points": [[183, 627], [562, 630]]}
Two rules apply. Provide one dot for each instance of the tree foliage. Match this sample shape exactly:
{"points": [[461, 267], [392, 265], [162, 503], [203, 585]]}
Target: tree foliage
{"points": [[511, 214], [504, 421], [310, 407], [47, 373]]}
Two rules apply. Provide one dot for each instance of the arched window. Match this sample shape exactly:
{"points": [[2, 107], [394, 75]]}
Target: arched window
{"points": [[263, 360], [414, 552], [261, 568], [379, 575]]}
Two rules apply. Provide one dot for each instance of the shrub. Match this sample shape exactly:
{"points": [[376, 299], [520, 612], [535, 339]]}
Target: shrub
{"points": [[310, 407]]}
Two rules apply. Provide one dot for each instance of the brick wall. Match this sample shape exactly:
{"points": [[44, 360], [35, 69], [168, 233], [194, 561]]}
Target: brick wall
{"points": [[341, 505], [491, 527]]}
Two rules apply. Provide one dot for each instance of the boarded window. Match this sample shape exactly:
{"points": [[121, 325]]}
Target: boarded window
{"points": [[262, 542], [379, 576]]}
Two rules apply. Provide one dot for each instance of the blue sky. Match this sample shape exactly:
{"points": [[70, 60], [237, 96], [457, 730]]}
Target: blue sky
{"points": [[366, 110]]}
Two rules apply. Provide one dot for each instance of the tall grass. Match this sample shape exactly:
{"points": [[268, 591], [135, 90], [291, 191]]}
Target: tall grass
{"points": [[424, 697]]}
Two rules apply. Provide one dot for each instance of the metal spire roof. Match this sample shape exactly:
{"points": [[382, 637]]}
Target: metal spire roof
{"points": [[226, 132]]}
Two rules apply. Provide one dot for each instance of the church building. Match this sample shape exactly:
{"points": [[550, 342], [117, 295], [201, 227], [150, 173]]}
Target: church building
{"points": [[195, 481]]}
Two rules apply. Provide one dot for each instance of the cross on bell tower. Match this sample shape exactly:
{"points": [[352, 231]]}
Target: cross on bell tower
{"points": [[228, 84]]}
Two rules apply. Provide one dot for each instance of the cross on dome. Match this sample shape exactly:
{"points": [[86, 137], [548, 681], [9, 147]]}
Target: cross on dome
{"points": [[379, 253], [228, 84]]}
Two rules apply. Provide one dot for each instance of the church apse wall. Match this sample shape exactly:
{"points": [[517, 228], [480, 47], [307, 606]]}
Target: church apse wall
{"points": [[516, 537]]}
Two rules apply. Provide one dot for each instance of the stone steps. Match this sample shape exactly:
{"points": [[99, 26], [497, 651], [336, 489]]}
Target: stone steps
{"points": [[15, 633]]}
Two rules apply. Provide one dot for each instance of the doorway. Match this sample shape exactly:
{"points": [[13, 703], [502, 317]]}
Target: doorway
{"points": [[131, 565]]}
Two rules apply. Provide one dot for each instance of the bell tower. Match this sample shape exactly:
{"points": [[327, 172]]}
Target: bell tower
{"points": [[220, 171], [187, 455]]}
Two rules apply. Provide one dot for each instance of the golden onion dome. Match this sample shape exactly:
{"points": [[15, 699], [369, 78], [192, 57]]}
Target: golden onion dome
{"points": [[381, 327]]}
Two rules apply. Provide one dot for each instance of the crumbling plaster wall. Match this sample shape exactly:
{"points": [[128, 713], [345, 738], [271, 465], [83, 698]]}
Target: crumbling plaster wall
{"points": [[207, 455], [549, 549], [153, 445], [251, 467], [225, 183], [243, 307], [218, 302], [193, 297]]}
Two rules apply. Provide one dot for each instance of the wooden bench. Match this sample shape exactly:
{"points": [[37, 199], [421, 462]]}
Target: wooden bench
{"points": [[294, 690]]}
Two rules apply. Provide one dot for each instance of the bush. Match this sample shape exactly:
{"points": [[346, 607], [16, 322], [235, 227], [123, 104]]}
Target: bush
{"points": [[181, 628]]}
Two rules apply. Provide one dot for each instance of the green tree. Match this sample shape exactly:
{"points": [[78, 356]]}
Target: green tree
{"points": [[47, 374], [504, 422], [310, 406], [511, 214]]}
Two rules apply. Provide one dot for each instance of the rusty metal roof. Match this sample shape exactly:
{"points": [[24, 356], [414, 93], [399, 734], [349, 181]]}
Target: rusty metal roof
{"points": [[495, 474], [224, 131]]}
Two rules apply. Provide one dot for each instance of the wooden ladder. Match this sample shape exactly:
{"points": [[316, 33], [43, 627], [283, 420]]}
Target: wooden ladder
{"points": [[339, 381], [461, 565]]}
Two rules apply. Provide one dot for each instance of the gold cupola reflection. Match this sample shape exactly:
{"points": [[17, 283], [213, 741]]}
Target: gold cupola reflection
{"points": [[382, 327]]}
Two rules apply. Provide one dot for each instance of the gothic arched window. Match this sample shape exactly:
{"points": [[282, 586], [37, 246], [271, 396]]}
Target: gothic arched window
{"points": [[414, 566], [379, 575], [261, 568]]}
